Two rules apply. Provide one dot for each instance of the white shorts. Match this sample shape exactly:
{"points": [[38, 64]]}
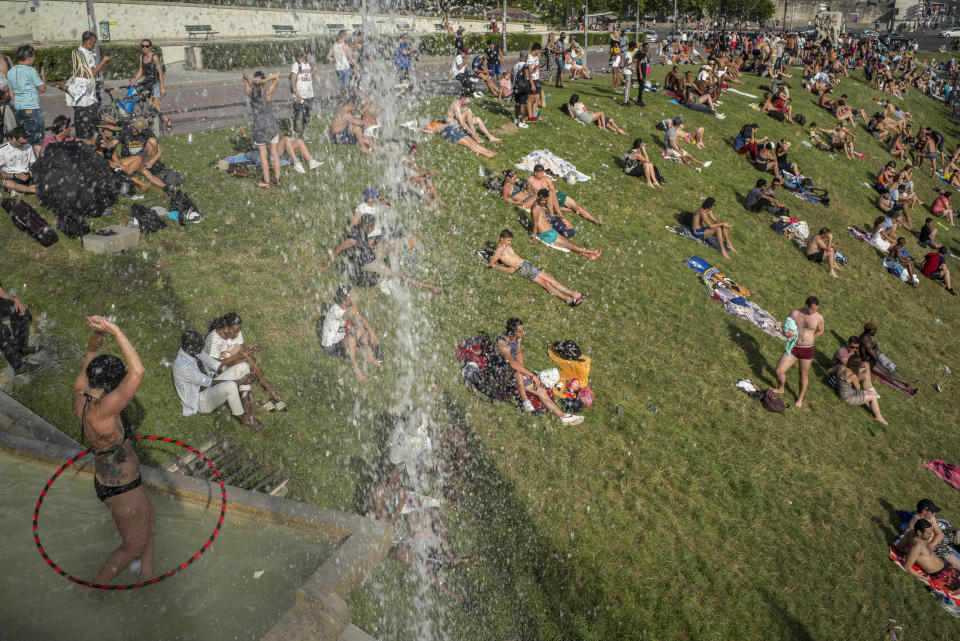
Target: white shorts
{"points": [[673, 153]]}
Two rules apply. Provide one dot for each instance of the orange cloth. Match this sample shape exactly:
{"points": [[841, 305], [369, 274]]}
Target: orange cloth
{"points": [[570, 370]]}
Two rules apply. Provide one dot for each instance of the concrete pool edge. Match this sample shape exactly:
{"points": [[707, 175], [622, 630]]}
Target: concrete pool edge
{"points": [[320, 610]]}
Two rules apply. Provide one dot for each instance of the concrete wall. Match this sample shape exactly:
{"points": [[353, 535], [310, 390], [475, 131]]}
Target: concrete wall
{"points": [[803, 12], [52, 21]]}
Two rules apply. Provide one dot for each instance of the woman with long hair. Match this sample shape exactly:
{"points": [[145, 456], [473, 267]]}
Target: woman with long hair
{"points": [[265, 130]]}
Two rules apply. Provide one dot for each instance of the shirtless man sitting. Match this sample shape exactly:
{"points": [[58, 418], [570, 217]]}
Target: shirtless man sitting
{"points": [[543, 230], [507, 260], [347, 129], [558, 199], [821, 247], [459, 113], [809, 328], [844, 112], [705, 225], [509, 345], [941, 543], [940, 575]]}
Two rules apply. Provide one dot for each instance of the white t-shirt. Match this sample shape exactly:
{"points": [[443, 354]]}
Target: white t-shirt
{"points": [[15, 160], [534, 63], [457, 67], [333, 330], [364, 208], [220, 347], [627, 63], [341, 61], [304, 71]]}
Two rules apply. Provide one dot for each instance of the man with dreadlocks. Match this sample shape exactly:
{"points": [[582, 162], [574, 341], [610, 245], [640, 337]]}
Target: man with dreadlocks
{"points": [[105, 386]]}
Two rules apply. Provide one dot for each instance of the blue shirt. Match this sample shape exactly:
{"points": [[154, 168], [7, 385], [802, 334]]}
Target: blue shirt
{"points": [[24, 81], [402, 59]]}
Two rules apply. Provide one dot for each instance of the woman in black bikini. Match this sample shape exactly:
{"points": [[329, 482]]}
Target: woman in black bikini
{"points": [[102, 390]]}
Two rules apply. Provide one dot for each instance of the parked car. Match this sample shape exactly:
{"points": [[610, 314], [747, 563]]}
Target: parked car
{"points": [[673, 36], [856, 34], [650, 34], [870, 33], [893, 39], [952, 32], [809, 30]]}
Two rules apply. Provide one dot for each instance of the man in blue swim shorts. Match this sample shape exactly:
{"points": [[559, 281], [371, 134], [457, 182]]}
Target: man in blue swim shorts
{"points": [[705, 225], [544, 231]]}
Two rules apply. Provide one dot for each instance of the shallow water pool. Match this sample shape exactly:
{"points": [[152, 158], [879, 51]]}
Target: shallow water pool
{"points": [[217, 597]]}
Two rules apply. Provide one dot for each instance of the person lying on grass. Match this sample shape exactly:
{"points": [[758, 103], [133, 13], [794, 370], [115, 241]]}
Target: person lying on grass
{"points": [[638, 154], [513, 192], [935, 268], [420, 178], [558, 199], [506, 259], [821, 247], [510, 347], [694, 137], [344, 330], [420, 538], [543, 229], [347, 129], [848, 387], [575, 109], [225, 343], [704, 225]]}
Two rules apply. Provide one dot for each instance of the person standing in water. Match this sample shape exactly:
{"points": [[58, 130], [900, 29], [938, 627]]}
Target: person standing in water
{"points": [[105, 386]]}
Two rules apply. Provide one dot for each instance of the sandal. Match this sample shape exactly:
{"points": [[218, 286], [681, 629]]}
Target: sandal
{"points": [[278, 405], [267, 406], [576, 302]]}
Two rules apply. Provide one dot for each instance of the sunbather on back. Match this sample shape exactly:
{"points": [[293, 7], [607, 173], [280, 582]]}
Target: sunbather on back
{"points": [[544, 230]]}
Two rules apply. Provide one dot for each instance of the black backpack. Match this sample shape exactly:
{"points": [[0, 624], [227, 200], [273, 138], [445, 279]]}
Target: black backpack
{"points": [[72, 225], [147, 219], [180, 202], [26, 218]]}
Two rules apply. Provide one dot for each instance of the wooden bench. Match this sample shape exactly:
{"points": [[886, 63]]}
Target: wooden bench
{"points": [[403, 26], [528, 27], [334, 28], [284, 30], [438, 26], [195, 30], [356, 26]]}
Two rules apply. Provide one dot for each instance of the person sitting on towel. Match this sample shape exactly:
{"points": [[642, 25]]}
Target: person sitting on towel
{"points": [[558, 199], [513, 192], [940, 575], [543, 229], [927, 510], [705, 225], [821, 248]]}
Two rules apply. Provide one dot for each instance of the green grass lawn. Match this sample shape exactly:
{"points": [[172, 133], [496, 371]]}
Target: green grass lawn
{"points": [[697, 515]]}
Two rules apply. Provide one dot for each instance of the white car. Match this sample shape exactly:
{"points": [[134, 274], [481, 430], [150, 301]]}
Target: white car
{"points": [[650, 34], [952, 32]]}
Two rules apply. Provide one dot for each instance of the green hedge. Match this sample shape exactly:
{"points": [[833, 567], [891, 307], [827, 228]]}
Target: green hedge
{"points": [[56, 60], [441, 44], [250, 55]]}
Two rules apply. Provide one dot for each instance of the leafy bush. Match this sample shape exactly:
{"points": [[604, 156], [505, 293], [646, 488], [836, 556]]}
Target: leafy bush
{"points": [[441, 44], [56, 60], [246, 55]]}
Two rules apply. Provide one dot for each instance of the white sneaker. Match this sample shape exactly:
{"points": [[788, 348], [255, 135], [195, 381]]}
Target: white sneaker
{"points": [[523, 125], [477, 94], [527, 407], [720, 116], [708, 163], [315, 164], [571, 419], [299, 168]]}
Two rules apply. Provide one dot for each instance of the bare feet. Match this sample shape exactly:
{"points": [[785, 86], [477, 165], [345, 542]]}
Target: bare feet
{"points": [[799, 403], [834, 274], [496, 140], [882, 420]]}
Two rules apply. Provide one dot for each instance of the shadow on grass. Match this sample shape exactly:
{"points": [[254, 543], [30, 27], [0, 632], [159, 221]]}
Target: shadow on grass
{"points": [[795, 628], [759, 366], [890, 529]]}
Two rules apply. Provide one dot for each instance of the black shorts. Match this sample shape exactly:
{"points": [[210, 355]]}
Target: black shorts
{"points": [[85, 120], [536, 86], [336, 350], [816, 257], [520, 98], [20, 181], [104, 492]]}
